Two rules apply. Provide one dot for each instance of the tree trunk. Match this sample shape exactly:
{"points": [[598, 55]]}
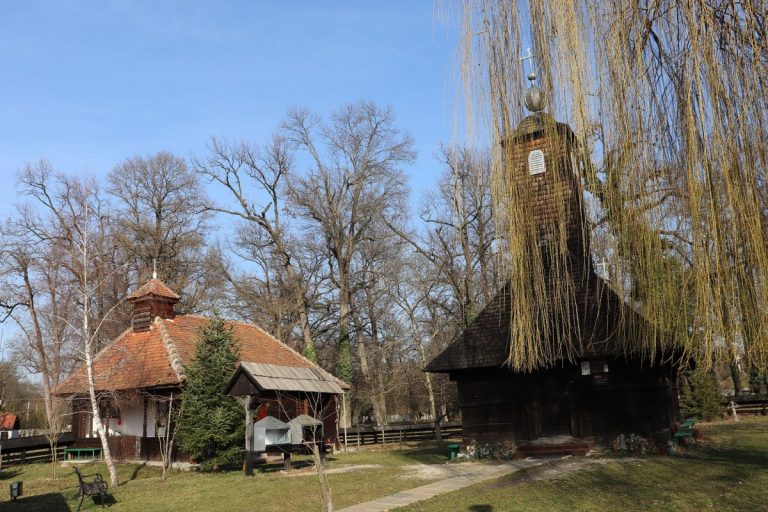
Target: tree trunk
{"points": [[88, 346], [325, 486], [96, 416], [301, 303], [378, 392], [248, 463], [736, 377], [362, 355]]}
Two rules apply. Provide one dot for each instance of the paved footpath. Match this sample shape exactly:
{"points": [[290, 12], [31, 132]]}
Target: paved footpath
{"points": [[469, 474]]}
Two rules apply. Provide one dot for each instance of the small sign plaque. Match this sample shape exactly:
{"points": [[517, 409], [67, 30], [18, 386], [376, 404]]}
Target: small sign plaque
{"points": [[536, 163], [585, 368]]}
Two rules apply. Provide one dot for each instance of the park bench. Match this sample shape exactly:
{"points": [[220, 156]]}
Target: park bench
{"points": [[94, 488], [685, 431]]}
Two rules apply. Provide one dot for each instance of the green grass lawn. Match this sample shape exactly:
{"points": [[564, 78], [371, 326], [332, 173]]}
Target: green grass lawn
{"points": [[142, 489], [727, 472]]}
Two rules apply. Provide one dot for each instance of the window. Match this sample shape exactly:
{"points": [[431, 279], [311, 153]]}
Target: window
{"points": [[536, 163], [86, 423]]}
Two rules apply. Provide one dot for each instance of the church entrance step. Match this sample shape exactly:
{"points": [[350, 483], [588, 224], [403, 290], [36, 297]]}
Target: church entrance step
{"points": [[575, 448]]}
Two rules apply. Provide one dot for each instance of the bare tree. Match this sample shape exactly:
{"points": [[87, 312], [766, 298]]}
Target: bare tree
{"points": [[354, 179], [255, 179], [36, 279], [460, 233], [162, 221], [411, 294], [320, 407], [55, 427], [73, 223], [165, 410], [84, 230]]}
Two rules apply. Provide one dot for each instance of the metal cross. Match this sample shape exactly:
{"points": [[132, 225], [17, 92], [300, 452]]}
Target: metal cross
{"points": [[532, 73]]}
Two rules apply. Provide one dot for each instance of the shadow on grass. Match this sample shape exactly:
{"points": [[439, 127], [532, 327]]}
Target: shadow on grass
{"points": [[53, 502], [135, 472], [430, 454], [481, 508], [737, 464], [276, 467], [7, 474]]}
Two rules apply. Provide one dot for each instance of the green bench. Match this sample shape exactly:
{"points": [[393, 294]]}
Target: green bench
{"points": [[686, 431], [77, 453]]}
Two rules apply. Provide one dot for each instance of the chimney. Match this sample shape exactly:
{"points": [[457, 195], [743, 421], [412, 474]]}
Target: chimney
{"points": [[150, 301]]}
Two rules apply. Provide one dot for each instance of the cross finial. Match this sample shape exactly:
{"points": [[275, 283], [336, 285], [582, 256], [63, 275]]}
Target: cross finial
{"points": [[531, 72], [534, 98], [154, 268]]}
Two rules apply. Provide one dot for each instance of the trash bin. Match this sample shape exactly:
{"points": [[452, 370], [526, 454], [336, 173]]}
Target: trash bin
{"points": [[17, 489], [453, 451]]}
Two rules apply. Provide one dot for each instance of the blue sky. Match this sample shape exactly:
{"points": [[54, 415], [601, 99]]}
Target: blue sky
{"points": [[87, 84]]}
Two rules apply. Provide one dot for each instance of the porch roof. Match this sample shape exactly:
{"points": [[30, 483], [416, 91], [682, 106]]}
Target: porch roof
{"points": [[273, 377]]}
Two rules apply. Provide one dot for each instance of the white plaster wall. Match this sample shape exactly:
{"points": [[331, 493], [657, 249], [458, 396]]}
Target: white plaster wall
{"points": [[131, 421]]}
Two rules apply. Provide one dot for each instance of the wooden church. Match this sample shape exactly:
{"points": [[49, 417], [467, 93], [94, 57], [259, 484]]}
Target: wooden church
{"points": [[581, 400]]}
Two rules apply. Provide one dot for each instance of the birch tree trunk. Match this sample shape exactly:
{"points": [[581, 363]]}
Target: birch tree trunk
{"points": [[88, 341], [98, 425]]}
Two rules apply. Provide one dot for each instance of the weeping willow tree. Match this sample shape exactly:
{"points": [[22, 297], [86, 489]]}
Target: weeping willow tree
{"points": [[667, 100]]}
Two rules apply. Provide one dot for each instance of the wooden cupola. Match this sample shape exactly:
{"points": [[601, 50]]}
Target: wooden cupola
{"points": [[154, 299]]}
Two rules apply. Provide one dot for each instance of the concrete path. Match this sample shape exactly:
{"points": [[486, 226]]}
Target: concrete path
{"points": [[470, 473]]}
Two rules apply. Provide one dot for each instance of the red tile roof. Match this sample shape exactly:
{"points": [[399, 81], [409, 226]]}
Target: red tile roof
{"points": [[141, 359], [153, 287], [8, 421]]}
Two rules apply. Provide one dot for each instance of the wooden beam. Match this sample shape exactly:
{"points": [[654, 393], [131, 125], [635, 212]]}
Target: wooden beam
{"points": [[144, 425], [248, 463]]}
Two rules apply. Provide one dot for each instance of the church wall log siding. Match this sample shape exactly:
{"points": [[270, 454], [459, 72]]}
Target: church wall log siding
{"points": [[499, 406]]}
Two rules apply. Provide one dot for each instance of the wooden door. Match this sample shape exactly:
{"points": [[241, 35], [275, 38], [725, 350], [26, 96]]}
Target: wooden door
{"points": [[555, 406]]}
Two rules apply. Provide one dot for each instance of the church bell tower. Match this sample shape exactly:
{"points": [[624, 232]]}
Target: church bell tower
{"points": [[541, 157]]}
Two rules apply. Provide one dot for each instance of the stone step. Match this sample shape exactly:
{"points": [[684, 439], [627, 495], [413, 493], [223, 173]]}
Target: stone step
{"points": [[578, 449]]}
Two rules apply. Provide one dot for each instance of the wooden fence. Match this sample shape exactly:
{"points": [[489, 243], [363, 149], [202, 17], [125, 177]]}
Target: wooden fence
{"points": [[31, 449], [397, 433], [748, 404]]}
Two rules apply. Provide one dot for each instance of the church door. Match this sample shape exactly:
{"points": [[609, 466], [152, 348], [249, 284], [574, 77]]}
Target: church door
{"points": [[555, 407]]}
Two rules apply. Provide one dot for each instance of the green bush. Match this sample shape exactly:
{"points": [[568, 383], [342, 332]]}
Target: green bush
{"points": [[699, 396]]}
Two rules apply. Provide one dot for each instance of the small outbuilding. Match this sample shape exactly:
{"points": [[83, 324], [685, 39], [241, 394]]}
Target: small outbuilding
{"points": [[287, 408], [139, 373]]}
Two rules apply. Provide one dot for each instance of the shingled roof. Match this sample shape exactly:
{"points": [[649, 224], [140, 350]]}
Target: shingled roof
{"points": [[485, 341], [156, 357], [153, 287]]}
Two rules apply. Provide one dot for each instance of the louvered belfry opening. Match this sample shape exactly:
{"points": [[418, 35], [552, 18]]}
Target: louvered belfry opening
{"points": [[154, 299]]}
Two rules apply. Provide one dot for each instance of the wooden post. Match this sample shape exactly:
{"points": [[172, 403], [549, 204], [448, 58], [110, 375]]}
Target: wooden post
{"points": [[248, 464], [287, 461], [144, 425]]}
